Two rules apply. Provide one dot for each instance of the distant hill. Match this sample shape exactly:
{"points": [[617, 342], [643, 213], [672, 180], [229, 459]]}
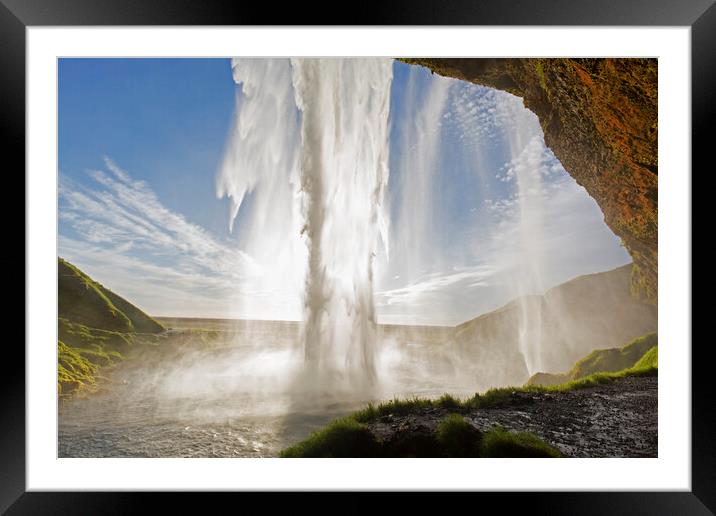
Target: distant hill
{"points": [[82, 300], [594, 311]]}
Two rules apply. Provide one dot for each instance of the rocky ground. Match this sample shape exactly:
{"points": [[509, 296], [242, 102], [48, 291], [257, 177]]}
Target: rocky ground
{"points": [[618, 419]]}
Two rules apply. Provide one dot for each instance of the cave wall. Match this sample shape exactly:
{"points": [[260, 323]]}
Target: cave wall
{"points": [[599, 117]]}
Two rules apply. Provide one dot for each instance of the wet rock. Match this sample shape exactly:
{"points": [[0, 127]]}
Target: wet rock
{"points": [[618, 419]]}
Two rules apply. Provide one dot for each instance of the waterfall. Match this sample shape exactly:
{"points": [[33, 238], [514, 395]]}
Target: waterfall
{"points": [[311, 138], [529, 270], [344, 172]]}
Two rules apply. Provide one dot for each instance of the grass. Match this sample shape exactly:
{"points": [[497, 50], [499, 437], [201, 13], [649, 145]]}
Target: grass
{"points": [[396, 406], [498, 442], [401, 407], [457, 437], [74, 371], [614, 359], [650, 359], [344, 437], [82, 350], [493, 397], [81, 336], [453, 437]]}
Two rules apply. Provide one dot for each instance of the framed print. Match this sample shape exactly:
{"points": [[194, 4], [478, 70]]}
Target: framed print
{"points": [[422, 253]]}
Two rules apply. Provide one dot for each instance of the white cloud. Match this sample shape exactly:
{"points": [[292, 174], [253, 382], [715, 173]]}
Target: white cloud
{"points": [[476, 113], [125, 237], [436, 282]]}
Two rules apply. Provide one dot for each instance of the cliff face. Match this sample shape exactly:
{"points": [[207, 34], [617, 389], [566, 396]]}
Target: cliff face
{"points": [[599, 117]]}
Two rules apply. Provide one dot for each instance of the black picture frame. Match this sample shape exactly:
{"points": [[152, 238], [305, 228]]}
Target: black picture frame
{"points": [[17, 15]]}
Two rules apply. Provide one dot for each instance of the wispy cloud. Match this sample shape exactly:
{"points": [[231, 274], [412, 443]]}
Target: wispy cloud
{"points": [[117, 228], [468, 277]]}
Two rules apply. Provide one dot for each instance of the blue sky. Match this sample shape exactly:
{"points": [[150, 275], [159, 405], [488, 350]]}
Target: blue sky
{"points": [[479, 209], [164, 120]]}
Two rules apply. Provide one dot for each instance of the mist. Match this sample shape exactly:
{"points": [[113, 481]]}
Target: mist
{"points": [[380, 200]]}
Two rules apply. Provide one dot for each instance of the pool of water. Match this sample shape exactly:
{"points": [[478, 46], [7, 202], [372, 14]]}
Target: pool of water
{"points": [[236, 401]]}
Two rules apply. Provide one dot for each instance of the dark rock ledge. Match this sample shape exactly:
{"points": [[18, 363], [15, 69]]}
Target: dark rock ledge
{"points": [[618, 419]]}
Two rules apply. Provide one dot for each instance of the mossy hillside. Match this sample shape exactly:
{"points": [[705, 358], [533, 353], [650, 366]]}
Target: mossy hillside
{"points": [[81, 336], [82, 351], [80, 299], [650, 359], [96, 328], [602, 360], [75, 370], [83, 300], [614, 359]]}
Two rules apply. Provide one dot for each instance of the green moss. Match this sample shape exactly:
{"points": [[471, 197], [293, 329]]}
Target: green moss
{"points": [[81, 352], [601, 360], [341, 438], [74, 371], [100, 356], [601, 378], [649, 360], [498, 442], [395, 406], [614, 359], [457, 437], [82, 336], [448, 402], [495, 397], [453, 437]]}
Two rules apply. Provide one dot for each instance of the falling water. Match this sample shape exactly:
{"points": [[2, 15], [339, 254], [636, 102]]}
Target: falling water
{"points": [[344, 155], [531, 264], [341, 108], [260, 173]]}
